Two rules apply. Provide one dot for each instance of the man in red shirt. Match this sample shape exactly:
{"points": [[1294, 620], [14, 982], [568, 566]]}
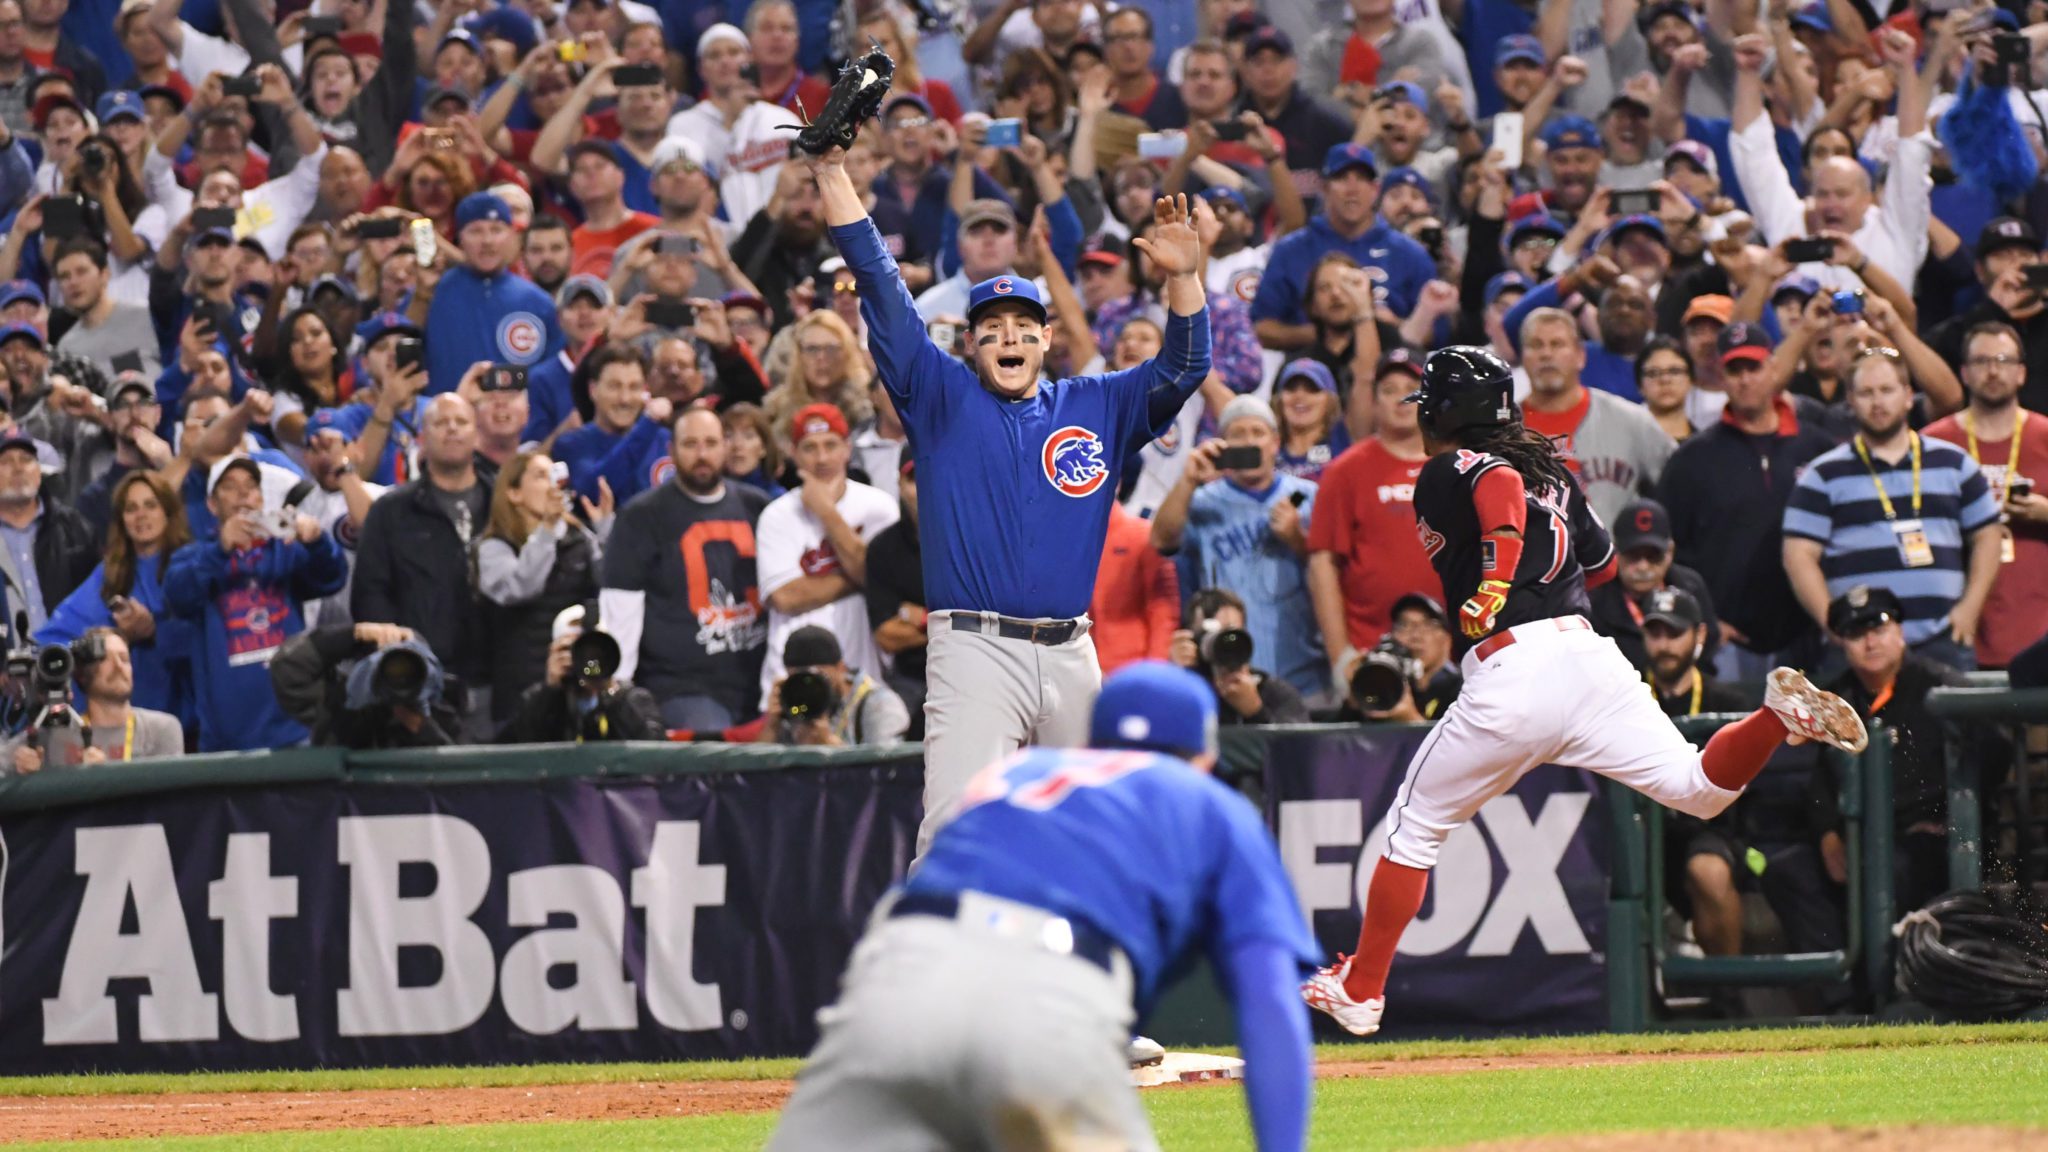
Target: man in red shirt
{"points": [[597, 179], [1364, 554], [772, 32], [1137, 89], [2010, 444], [1136, 605]]}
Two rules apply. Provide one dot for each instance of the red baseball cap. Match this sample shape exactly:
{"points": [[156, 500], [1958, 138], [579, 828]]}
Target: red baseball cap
{"points": [[815, 418]]}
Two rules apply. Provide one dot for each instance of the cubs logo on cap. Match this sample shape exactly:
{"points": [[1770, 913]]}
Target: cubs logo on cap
{"points": [[1073, 461], [1001, 289]]}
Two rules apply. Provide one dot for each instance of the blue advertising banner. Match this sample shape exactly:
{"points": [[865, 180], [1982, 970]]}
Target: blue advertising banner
{"points": [[1512, 933], [339, 925]]}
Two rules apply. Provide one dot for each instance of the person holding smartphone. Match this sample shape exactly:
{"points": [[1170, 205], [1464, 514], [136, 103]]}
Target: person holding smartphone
{"points": [[1245, 526]]}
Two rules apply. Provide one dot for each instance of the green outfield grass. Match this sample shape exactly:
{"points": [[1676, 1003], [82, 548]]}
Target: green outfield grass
{"points": [[1990, 1075]]}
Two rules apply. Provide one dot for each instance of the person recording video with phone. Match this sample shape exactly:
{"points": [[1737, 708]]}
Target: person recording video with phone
{"points": [[1213, 641], [581, 699], [111, 729], [821, 701]]}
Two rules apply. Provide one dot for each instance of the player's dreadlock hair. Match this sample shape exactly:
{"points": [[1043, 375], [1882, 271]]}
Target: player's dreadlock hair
{"points": [[1527, 450]]}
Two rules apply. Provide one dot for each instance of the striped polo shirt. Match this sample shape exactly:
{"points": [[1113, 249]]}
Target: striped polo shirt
{"points": [[1835, 503]]}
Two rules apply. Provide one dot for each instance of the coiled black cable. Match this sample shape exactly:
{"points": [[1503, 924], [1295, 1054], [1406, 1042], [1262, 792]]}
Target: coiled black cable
{"points": [[1975, 955]]}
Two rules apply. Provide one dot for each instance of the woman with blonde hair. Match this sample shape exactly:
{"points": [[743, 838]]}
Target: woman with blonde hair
{"points": [[534, 560], [829, 368], [126, 593]]}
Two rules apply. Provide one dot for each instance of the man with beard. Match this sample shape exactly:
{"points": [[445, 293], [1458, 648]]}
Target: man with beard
{"points": [[1893, 510], [1643, 551], [992, 438], [547, 254], [1626, 317], [479, 310], [1571, 163], [1401, 113], [1671, 25], [784, 243], [679, 572], [1614, 447], [1351, 224], [203, 281]]}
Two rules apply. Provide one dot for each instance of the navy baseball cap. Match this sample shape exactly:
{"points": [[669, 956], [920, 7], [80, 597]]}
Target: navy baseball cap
{"points": [[1154, 704], [480, 206], [2006, 232], [204, 235], [1642, 523], [1536, 224], [1638, 222], [1408, 177], [1675, 608], [1399, 360], [1571, 132], [385, 324], [1804, 287], [462, 36], [115, 105], [899, 99], [15, 437], [1519, 48], [331, 282], [332, 419], [1314, 371], [1000, 289], [1860, 609], [507, 24], [602, 149], [10, 332], [15, 291], [1504, 282], [1226, 195], [1742, 340], [1651, 13], [1267, 38], [1349, 155]]}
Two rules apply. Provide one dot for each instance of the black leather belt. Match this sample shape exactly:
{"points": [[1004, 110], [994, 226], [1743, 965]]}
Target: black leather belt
{"points": [[1090, 944], [1048, 632]]}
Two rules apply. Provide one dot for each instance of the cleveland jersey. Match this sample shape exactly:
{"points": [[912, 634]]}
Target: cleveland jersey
{"points": [[1562, 540]]}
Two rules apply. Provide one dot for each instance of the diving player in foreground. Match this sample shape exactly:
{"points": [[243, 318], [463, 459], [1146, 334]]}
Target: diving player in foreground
{"points": [[988, 1005], [1511, 536]]}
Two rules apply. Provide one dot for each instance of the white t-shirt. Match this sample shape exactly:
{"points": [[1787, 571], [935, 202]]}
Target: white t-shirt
{"points": [[1238, 273], [330, 509], [1164, 458], [790, 544], [746, 157], [203, 55]]}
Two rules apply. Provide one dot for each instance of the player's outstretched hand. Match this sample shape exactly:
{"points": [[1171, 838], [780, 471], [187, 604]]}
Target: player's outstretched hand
{"points": [[1174, 248], [1477, 616]]}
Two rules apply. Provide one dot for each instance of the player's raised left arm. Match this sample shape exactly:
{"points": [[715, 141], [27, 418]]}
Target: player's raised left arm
{"points": [[1183, 361]]}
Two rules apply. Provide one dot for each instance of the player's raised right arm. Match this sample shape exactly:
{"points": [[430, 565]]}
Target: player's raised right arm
{"points": [[896, 335]]}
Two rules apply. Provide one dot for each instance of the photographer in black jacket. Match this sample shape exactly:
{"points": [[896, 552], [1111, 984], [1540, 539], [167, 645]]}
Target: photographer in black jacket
{"points": [[1408, 677], [390, 696], [579, 700]]}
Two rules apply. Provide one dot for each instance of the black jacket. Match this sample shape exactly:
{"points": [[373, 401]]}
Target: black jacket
{"points": [[519, 634], [545, 717], [1726, 492], [1612, 618], [66, 553], [1919, 746], [412, 569], [311, 685]]}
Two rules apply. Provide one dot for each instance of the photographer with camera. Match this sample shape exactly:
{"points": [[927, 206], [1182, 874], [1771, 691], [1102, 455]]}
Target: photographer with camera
{"points": [[582, 700], [1214, 643], [389, 696], [1408, 677], [111, 728], [820, 701]]}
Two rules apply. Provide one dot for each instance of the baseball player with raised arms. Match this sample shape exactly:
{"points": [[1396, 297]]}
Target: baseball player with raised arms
{"points": [[988, 1003], [1018, 475], [1514, 541]]}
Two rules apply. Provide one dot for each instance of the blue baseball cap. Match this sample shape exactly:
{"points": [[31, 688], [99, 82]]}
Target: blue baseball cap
{"points": [[335, 419], [462, 36], [1571, 132], [1814, 16], [1000, 289], [480, 206], [1536, 223], [1349, 155], [508, 24], [1314, 371], [1805, 287], [1229, 195], [1154, 704], [1651, 13], [1408, 177], [15, 291], [1640, 221], [202, 235], [114, 105], [22, 332], [385, 324], [1503, 282], [1519, 48], [1406, 90]]}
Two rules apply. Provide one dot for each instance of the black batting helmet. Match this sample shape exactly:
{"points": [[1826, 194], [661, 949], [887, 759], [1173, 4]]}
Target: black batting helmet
{"points": [[1464, 387]]}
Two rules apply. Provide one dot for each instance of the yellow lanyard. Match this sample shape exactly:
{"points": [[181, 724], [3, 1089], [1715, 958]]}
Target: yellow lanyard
{"points": [[1699, 685], [128, 740], [2012, 456], [1877, 481], [604, 728]]}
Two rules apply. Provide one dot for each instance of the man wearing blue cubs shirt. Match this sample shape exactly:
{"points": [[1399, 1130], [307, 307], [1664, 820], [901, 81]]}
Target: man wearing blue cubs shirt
{"points": [[1019, 475], [479, 310], [1072, 883], [1349, 223]]}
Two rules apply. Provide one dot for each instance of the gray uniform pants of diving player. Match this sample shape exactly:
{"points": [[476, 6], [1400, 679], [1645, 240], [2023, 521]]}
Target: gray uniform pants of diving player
{"points": [[991, 695], [948, 1038]]}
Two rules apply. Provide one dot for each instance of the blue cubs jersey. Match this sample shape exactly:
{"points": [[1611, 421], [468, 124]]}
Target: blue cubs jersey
{"points": [[1140, 846], [500, 319], [1014, 521]]}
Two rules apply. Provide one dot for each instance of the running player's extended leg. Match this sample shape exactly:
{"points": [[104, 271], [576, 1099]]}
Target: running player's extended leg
{"points": [[983, 702]]}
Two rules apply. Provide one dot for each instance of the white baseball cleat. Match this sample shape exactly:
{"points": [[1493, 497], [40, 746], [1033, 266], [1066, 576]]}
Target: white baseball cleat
{"points": [[1143, 1051], [1325, 992], [1811, 714]]}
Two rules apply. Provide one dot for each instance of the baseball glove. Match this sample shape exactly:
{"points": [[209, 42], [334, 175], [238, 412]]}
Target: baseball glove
{"points": [[856, 98]]}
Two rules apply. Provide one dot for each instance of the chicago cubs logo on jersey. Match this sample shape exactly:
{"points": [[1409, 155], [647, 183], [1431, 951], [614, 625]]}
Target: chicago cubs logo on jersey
{"points": [[664, 470], [1073, 457], [522, 337]]}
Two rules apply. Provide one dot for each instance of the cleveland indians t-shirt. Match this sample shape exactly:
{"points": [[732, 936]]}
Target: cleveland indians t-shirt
{"points": [[794, 545], [705, 612], [1365, 517]]}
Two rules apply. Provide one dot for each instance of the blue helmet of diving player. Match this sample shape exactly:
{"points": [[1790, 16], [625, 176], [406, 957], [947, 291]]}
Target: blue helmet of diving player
{"points": [[1156, 705], [1464, 387]]}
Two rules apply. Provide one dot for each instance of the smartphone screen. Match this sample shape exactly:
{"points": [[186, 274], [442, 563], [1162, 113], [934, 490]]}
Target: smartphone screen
{"points": [[1507, 139], [1239, 457], [381, 228]]}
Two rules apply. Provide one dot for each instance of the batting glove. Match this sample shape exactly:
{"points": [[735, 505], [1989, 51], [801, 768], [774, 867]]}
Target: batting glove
{"points": [[1477, 615]]}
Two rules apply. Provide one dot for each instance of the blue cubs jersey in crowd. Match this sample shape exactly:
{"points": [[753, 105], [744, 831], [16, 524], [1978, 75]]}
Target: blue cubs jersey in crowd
{"points": [[500, 319], [1140, 846], [1016, 493]]}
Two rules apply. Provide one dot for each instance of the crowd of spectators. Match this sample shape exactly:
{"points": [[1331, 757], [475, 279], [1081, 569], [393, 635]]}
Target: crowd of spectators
{"points": [[389, 373]]}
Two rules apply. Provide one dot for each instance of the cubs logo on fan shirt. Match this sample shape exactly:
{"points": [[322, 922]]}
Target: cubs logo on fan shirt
{"points": [[1073, 459]]}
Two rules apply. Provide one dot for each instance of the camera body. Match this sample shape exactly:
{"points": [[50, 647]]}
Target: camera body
{"points": [[44, 673], [1383, 674], [94, 159], [593, 658]]}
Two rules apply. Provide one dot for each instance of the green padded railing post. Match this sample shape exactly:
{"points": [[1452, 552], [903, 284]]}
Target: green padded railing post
{"points": [[1628, 939], [1876, 864], [1966, 814]]}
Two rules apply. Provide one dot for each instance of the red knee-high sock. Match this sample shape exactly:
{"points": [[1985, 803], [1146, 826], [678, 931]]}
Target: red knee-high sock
{"points": [[1390, 903], [1736, 753]]}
